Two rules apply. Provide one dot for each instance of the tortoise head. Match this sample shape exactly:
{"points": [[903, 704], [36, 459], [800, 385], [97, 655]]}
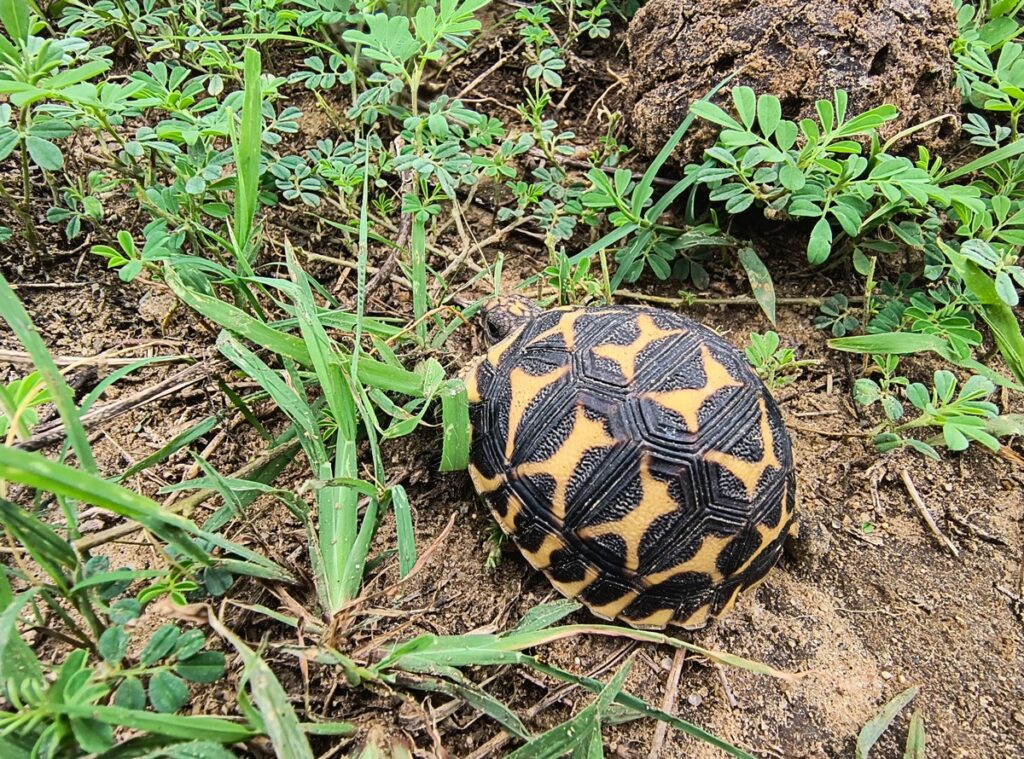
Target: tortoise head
{"points": [[501, 315]]}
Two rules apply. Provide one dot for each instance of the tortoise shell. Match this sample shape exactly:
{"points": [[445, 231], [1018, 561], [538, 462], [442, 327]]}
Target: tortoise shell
{"points": [[633, 457]]}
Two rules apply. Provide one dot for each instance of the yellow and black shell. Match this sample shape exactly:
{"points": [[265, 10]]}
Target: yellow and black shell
{"points": [[634, 458]]}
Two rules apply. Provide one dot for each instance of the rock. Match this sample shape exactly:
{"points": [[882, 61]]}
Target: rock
{"points": [[879, 51]]}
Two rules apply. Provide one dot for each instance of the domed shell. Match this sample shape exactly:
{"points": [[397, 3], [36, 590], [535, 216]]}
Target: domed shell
{"points": [[634, 458]]}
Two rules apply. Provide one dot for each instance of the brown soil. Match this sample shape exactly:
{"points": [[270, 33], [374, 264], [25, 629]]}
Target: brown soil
{"points": [[864, 612], [884, 51]]}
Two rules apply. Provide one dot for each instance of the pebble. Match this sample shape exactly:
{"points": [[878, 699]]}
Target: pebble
{"points": [[887, 675], [1018, 717], [695, 699]]}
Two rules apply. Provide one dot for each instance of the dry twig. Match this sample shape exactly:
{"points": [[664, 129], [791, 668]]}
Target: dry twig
{"points": [[923, 509], [55, 432], [186, 505], [404, 229], [668, 703]]}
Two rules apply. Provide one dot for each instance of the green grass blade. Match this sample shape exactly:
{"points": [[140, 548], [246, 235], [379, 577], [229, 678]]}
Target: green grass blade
{"points": [[478, 698], [49, 550], [190, 750], [329, 728], [279, 718], [455, 424], [519, 641], [582, 733], [247, 157], [404, 528], [18, 319], [545, 615], [175, 444], [264, 475], [116, 576], [647, 181], [343, 554], [418, 251], [244, 409], [561, 739], [915, 738], [639, 705], [389, 378], [17, 660], [900, 343], [1009, 150], [236, 321], [173, 725], [288, 399], [355, 560], [878, 724], [39, 472]]}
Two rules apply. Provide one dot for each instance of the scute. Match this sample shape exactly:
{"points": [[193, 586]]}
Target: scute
{"points": [[635, 458]]}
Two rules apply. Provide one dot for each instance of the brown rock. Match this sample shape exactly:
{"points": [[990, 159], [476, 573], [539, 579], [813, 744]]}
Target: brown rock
{"points": [[879, 51]]}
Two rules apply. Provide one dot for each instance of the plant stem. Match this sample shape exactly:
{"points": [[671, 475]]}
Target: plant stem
{"points": [[26, 218]]}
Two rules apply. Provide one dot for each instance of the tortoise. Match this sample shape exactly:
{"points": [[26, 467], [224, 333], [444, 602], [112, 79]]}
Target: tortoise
{"points": [[632, 456]]}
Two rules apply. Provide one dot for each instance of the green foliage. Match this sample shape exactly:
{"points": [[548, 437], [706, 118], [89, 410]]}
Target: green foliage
{"points": [[776, 365], [816, 170], [989, 63], [19, 400], [961, 417], [836, 316]]}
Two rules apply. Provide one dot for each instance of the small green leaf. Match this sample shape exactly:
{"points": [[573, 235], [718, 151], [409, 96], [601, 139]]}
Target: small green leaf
{"points": [[44, 154], [866, 391], [785, 134], [204, 667], [792, 178], [769, 114], [92, 735], [746, 104], [124, 610], [167, 692], [714, 114], [760, 281], [918, 395], [15, 18], [923, 448], [892, 407], [113, 644], [820, 245], [954, 438], [945, 385], [160, 644], [1006, 290], [190, 643], [130, 694]]}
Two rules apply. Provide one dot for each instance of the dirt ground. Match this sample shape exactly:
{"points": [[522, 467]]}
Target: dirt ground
{"points": [[866, 602]]}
